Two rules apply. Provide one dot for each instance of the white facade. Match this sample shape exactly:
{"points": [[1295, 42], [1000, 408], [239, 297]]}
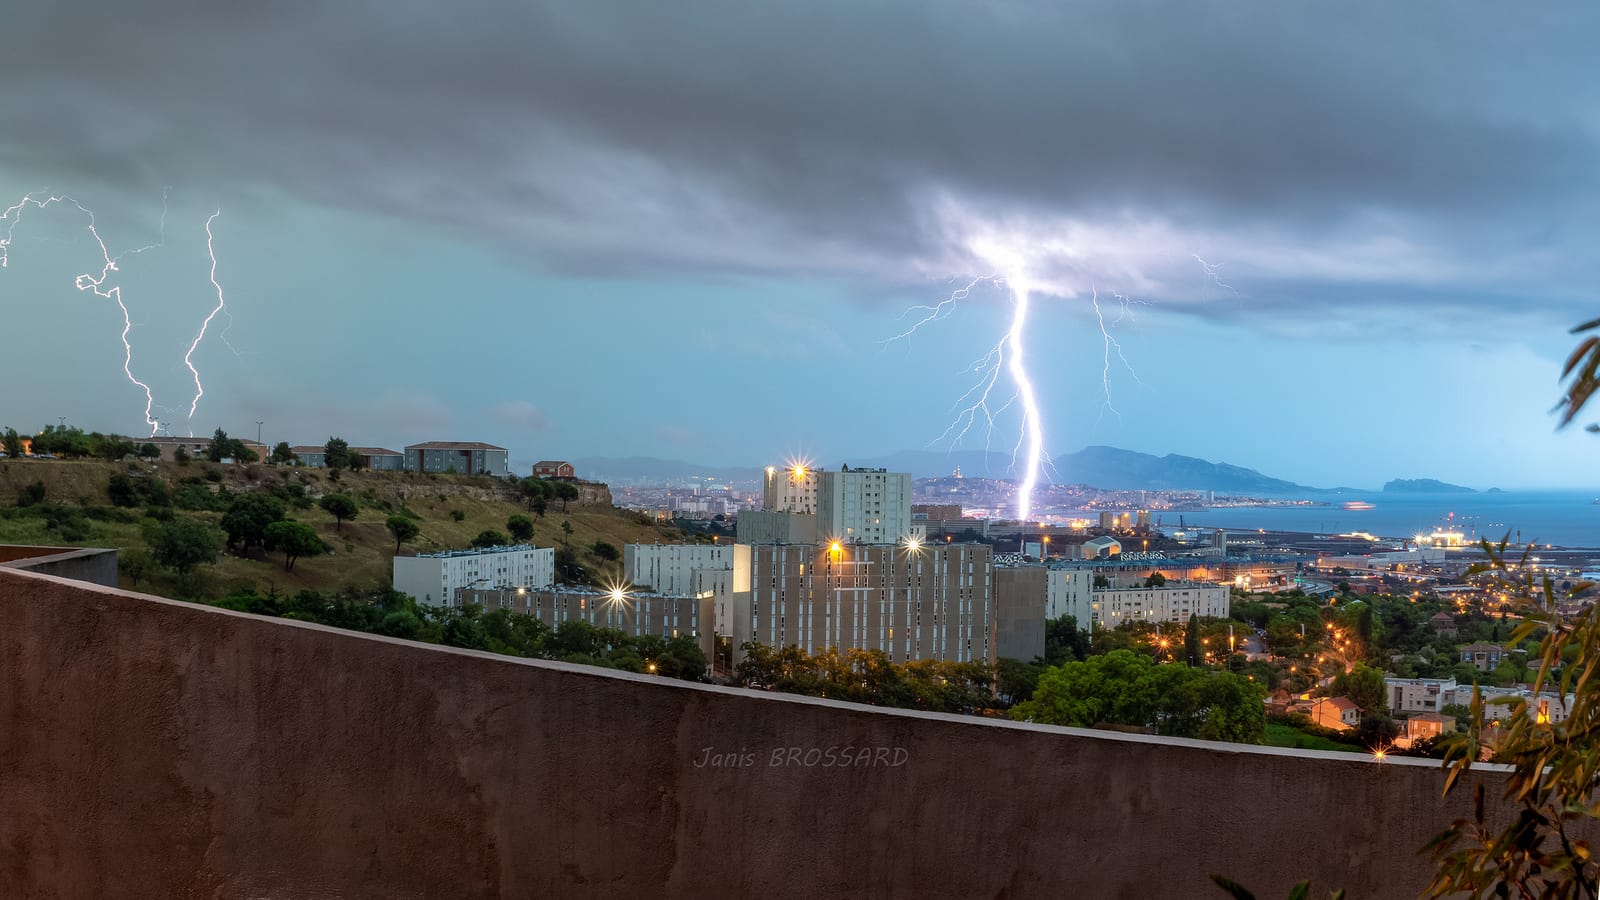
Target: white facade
{"points": [[792, 489], [1071, 592], [670, 568], [1420, 694], [864, 506], [434, 578]]}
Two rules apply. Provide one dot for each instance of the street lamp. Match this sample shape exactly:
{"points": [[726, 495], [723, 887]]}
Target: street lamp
{"points": [[258, 430]]}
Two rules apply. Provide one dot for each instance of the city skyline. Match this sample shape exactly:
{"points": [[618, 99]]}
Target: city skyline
{"points": [[575, 247]]}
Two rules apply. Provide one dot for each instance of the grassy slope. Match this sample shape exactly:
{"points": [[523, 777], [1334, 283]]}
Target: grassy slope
{"points": [[362, 549], [1281, 735]]}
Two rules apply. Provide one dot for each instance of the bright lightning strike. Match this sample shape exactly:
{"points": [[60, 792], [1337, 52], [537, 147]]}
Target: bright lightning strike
{"points": [[1004, 360], [12, 216], [88, 282], [199, 390]]}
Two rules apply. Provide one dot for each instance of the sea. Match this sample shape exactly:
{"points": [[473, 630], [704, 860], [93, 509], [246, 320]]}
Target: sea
{"points": [[1561, 518]]}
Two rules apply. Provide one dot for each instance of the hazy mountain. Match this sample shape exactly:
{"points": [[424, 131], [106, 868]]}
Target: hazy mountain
{"points": [[1102, 467], [1114, 469], [1425, 486]]}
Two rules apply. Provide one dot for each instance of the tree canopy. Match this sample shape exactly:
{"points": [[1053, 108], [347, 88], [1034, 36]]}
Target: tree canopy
{"points": [[1125, 688]]}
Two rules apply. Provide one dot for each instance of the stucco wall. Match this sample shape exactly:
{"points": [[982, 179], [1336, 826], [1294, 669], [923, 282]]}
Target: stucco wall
{"points": [[156, 749]]}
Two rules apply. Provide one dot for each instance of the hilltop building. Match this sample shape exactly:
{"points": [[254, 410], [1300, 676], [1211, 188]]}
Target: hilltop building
{"points": [[460, 457], [195, 447], [554, 468]]}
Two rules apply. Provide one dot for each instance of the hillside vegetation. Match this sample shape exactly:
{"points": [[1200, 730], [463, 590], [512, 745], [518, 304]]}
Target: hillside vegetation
{"points": [[117, 504]]}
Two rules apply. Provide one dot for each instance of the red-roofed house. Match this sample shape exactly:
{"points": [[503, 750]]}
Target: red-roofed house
{"points": [[1338, 713], [553, 468]]}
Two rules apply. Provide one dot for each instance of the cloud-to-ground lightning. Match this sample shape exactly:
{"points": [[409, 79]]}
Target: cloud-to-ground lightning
{"points": [[89, 282], [1006, 361], [12, 217], [188, 360]]}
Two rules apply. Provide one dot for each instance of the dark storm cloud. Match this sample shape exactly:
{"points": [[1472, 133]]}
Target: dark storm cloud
{"points": [[1381, 144]]}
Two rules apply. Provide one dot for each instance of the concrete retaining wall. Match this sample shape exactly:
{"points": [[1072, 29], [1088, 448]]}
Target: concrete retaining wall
{"points": [[156, 749], [92, 564]]}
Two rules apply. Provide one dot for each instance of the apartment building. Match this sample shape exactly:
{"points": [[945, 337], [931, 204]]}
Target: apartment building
{"points": [[435, 578]]}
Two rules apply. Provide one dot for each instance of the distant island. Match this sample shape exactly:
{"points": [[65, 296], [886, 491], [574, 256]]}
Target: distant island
{"points": [[1424, 486]]}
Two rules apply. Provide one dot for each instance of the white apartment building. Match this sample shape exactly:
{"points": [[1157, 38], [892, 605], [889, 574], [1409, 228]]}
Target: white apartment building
{"points": [[863, 506], [682, 570], [1408, 695], [792, 489], [1070, 591], [434, 578]]}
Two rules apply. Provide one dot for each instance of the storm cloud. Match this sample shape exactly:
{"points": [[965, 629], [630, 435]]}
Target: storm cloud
{"points": [[1372, 152]]}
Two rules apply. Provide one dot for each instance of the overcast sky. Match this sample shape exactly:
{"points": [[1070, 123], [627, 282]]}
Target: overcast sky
{"points": [[686, 230]]}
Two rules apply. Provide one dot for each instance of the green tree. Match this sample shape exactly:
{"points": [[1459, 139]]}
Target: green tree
{"points": [[490, 538], [1101, 582], [566, 531], [1127, 688], [11, 442], [282, 454], [180, 456], [1191, 642], [564, 492], [136, 563], [1365, 688], [248, 517], [294, 540], [149, 452], [534, 490], [122, 491], [1064, 641], [31, 495], [520, 527], [605, 551], [341, 507], [182, 543], [1155, 580], [682, 659], [401, 529], [336, 454], [220, 447]]}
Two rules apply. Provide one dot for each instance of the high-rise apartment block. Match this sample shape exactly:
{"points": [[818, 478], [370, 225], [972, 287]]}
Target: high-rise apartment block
{"points": [[933, 602], [802, 504]]}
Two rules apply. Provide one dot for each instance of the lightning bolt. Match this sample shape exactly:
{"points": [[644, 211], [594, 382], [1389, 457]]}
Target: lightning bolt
{"points": [[1004, 360], [1214, 275], [199, 389], [87, 282], [1112, 345], [1032, 438], [12, 217]]}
